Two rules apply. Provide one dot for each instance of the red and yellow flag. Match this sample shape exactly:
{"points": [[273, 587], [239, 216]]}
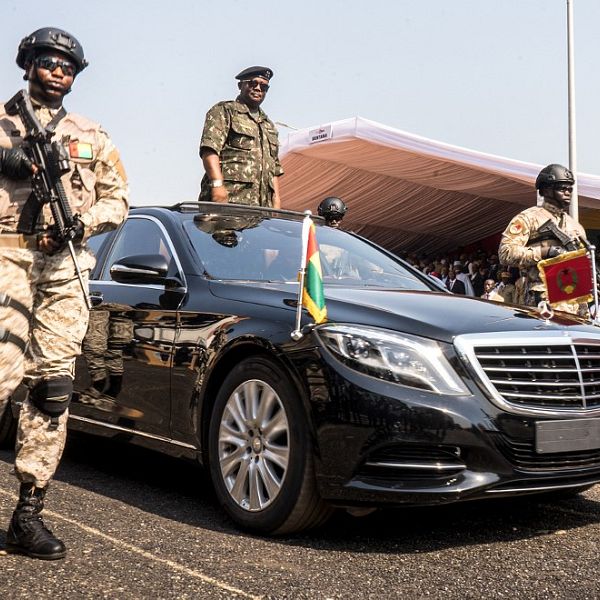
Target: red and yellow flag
{"points": [[313, 297], [567, 277]]}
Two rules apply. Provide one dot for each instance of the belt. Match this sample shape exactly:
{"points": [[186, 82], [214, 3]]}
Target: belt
{"points": [[18, 240]]}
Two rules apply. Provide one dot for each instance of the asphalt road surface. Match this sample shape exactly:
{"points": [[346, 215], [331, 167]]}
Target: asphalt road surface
{"points": [[139, 525]]}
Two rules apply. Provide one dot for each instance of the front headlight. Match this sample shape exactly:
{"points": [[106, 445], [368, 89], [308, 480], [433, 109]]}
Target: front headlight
{"points": [[401, 358]]}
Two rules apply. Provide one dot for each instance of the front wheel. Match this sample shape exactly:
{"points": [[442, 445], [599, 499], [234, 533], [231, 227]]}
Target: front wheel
{"points": [[260, 452]]}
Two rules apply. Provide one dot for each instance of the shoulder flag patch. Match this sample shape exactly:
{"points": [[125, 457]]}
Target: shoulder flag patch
{"points": [[80, 150], [516, 227]]}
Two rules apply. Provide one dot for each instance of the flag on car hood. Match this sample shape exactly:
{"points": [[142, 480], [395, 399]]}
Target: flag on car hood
{"points": [[313, 297], [567, 277]]}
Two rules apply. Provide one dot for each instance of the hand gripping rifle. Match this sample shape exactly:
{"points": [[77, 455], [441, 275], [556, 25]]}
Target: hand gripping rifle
{"points": [[549, 231], [51, 161]]}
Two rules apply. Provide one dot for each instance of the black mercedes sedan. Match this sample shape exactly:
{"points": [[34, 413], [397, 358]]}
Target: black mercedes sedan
{"points": [[406, 395]]}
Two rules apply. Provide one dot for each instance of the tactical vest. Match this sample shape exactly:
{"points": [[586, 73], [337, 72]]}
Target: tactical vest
{"points": [[81, 140]]}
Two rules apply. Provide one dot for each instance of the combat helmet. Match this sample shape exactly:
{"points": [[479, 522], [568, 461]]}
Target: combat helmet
{"points": [[332, 208], [51, 38], [553, 174]]}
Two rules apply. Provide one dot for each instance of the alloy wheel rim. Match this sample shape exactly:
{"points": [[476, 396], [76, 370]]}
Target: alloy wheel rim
{"points": [[253, 445]]}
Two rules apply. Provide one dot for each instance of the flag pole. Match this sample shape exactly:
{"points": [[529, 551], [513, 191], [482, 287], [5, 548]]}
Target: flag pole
{"points": [[306, 223], [574, 206]]}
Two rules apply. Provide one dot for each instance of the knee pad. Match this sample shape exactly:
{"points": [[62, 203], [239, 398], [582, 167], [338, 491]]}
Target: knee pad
{"points": [[52, 396]]}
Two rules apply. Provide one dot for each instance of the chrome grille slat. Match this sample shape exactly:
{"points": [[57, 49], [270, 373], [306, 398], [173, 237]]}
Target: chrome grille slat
{"points": [[528, 356], [539, 383], [541, 396], [526, 370]]}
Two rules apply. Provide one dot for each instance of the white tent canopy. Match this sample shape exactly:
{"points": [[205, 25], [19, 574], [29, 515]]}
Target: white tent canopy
{"points": [[408, 192]]}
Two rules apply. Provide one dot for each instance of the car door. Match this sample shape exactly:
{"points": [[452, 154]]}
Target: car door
{"points": [[124, 373]]}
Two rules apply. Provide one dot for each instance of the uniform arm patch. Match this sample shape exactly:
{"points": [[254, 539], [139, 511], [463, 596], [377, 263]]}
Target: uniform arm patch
{"points": [[81, 150], [516, 227]]}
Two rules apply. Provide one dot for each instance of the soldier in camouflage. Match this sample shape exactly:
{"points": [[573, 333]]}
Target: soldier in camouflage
{"points": [[239, 147], [522, 247], [43, 313]]}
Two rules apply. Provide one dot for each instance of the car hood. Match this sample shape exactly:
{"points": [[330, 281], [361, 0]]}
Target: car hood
{"points": [[435, 315]]}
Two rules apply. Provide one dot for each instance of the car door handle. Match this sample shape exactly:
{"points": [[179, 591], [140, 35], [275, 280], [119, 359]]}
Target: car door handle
{"points": [[96, 298]]}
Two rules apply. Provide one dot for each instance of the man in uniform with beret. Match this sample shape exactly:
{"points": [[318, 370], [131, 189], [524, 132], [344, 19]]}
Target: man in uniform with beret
{"points": [[239, 146], [522, 245]]}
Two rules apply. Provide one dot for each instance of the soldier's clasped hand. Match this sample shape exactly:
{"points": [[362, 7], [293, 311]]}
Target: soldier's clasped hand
{"points": [[15, 164], [553, 251]]}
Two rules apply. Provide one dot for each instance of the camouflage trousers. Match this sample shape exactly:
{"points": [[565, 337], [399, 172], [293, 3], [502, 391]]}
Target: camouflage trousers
{"points": [[48, 287]]}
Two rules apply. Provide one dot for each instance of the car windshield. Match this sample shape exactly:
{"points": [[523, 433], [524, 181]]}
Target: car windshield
{"points": [[259, 248]]}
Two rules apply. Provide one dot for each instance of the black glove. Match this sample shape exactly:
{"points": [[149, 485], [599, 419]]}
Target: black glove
{"points": [[78, 230], [55, 243], [554, 251], [15, 164]]}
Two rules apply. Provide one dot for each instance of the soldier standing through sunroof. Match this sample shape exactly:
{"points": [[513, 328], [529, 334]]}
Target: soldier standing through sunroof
{"points": [[239, 146]]}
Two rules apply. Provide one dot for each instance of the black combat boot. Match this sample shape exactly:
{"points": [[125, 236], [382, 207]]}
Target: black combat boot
{"points": [[27, 533], [114, 386]]}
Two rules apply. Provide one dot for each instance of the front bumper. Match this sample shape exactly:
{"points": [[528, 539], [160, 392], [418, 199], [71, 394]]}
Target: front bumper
{"points": [[383, 444]]}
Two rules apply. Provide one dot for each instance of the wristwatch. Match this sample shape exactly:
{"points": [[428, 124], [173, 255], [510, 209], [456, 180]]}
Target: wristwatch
{"points": [[216, 183]]}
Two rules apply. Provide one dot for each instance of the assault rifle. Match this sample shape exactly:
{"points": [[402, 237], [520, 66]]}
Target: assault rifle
{"points": [[52, 162], [549, 231]]}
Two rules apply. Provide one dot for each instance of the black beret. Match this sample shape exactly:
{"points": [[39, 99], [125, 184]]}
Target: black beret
{"points": [[251, 72]]}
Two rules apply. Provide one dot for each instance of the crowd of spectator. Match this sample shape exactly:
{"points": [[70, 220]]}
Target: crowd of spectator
{"points": [[476, 274]]}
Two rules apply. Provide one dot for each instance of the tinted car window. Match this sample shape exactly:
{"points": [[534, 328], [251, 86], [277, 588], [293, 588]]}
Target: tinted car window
{"points": [[269, 249], [137, 236]]}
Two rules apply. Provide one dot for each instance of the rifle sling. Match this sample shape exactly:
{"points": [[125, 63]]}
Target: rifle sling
{"points": [[56, 119]]}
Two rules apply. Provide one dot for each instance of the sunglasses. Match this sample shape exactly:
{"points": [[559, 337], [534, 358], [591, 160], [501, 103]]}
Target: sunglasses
{"points": [[50, 63], [563, 188], [264, 87]]}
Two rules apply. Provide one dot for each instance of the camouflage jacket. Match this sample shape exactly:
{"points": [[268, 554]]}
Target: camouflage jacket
{"points": [[517, 250], [96, 184], [248, 149]]}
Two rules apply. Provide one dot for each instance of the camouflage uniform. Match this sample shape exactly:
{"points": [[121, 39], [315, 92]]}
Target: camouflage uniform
{"points": [[516, 250], [248, 147], [46, 286]]}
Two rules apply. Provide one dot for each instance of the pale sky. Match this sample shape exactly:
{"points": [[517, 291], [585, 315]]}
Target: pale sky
{"points": [[490, 75]]}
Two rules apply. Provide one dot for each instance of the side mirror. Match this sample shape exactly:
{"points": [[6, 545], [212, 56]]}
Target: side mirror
{"points": [[140, 268]]}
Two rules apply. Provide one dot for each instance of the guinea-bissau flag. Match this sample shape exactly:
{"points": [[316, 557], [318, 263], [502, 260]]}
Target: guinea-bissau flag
{"points": [[568, 277], [313, 297]]}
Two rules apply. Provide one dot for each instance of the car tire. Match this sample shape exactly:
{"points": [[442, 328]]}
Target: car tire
{"points": [[8, 427], [260, 452]]}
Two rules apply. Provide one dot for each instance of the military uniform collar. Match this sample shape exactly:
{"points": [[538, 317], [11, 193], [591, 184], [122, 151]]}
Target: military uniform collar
{"points": [[552, 209], [37, 105], [244, 108]]}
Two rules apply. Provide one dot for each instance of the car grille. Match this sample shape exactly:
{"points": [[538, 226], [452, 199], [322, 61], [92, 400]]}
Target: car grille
{"points": [[523, 456], [540, 372]]}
